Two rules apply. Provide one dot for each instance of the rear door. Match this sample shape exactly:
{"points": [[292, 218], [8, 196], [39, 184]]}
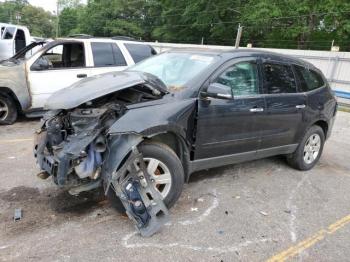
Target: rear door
{"points": [[107, 57], [283, 119], [226, 127]]}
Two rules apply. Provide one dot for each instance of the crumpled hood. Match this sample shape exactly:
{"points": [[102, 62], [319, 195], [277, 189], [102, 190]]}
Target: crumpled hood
{"points": [[100, 85]]}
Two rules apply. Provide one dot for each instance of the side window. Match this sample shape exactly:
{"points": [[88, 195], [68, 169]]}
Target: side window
{"points": [[118, 56], [278, 79], [69, 55], [107, 54], [309, 79], [139, 52], [9, 32], [242, 78], [20, 40]]}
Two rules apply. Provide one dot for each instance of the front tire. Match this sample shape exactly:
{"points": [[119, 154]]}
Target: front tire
{"points": [[166, 172], [309, 150], [8, 110]]}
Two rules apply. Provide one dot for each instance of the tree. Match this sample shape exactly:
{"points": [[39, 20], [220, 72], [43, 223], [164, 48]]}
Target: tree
{"points": [[39, 22], [68, 21]]}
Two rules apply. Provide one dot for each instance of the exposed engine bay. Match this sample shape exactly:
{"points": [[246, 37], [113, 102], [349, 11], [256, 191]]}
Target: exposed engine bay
{"points": [[73, 147]]}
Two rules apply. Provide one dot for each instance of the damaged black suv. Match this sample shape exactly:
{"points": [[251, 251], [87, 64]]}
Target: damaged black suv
{"points": [[140, 133]]}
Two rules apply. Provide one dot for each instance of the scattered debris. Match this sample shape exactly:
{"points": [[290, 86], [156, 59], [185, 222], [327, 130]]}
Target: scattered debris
{"points": [[263, 213], [18, 215]]}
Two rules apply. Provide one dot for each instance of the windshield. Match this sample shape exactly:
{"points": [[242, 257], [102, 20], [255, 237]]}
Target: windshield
{"points": [[175, 69]]}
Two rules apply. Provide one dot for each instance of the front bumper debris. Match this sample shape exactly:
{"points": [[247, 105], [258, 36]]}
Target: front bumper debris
{"points": [[143, 203]]}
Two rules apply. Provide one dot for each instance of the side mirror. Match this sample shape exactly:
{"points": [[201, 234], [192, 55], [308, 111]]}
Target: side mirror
{"points": [[217, 90], [40, 64]]}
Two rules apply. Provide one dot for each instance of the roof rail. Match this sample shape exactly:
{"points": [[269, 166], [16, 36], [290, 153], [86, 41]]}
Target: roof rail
{"points": [[126, 38], [80, 36]]}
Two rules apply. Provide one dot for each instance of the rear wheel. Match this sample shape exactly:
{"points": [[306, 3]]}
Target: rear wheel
{"points": [[8, 110], [309, 150], [165, 170]]}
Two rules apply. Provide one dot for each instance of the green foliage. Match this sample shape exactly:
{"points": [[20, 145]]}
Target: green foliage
{"points": [[39, 22], [303, 24]]}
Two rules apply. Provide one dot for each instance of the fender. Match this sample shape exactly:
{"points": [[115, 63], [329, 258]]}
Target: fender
{"points": [[133, 127], [174, 116], [13, 79]]}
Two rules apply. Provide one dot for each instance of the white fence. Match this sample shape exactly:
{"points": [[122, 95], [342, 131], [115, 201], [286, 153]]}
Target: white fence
{"points": [[334, 65]]}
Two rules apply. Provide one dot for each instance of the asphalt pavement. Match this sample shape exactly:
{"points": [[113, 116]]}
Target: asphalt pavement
{"points": [[255, 211]]}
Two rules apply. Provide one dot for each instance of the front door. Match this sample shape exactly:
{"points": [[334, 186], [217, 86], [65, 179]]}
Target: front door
{"points": [[285, 107], [228, 126], [57, 68]]}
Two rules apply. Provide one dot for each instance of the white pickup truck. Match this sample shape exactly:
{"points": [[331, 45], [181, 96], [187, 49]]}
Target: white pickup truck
{"points": [[13, 38], [26, 83]]}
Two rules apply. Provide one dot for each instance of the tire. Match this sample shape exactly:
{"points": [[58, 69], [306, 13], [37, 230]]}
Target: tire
{"points": [[167, 160], [8, 110], [304, 157]]}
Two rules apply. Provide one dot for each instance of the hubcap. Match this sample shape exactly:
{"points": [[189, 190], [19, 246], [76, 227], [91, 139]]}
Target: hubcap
{"points": [[4, 110], [312, 148], [160, 175]]}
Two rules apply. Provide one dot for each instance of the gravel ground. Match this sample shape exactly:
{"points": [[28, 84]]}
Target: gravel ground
{"points": [[247, 212]]}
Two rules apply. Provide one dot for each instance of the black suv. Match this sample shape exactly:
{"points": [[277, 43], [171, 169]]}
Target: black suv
{"points": [[140, 133]]}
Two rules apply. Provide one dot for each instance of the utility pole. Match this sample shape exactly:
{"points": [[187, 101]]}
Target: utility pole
{"points": [[238, 37], [58, 18]]}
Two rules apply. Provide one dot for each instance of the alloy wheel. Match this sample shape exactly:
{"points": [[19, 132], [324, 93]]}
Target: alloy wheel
{"points": [[160, 175], [312, 148], [4, 110]]}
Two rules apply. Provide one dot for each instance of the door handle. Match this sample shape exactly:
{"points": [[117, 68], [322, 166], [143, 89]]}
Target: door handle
{"points": [[300, 106], [257, 109], [81, 75]]}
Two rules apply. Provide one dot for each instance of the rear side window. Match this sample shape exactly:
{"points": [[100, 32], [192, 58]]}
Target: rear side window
{"points": [[278, 79], [139, 52], [309, 79], [107, 54]]}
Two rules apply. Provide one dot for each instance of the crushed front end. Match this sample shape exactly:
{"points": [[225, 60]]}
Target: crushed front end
{"points": [[75, 148]]}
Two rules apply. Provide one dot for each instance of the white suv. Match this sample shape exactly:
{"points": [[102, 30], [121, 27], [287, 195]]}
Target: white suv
{"points": [[26, 83]]}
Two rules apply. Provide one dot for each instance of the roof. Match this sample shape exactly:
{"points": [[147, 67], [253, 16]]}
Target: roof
{"points": [[100, 39], [18, 26], [234, 53]]}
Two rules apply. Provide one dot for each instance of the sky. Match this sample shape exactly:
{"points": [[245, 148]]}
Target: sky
{"points": [[48, 5]]}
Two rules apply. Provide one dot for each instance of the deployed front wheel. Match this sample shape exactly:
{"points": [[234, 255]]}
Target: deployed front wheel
{"points": [[309, 150], [165, 170]]}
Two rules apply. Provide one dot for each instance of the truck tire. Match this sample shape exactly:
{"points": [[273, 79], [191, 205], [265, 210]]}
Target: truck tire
{"points": [[309, 150], [8, 110], [167, 163]]}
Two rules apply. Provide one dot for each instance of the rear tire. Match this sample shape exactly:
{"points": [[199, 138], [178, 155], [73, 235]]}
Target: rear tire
{"points": [[168, 160], [8, 110], [309, 150]]}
